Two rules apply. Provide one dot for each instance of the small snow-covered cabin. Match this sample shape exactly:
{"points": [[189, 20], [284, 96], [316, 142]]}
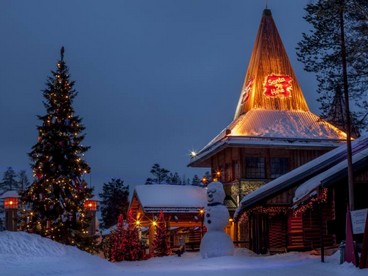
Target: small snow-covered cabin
{"points": [[182, 206], [273, 131]]}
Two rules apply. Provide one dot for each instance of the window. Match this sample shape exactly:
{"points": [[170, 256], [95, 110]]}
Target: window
{"points": [[255, 167], [279, 166]]}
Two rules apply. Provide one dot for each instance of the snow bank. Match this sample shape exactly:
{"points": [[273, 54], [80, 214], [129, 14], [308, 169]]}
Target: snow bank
{"points": [[26, 254], [22, 245]]}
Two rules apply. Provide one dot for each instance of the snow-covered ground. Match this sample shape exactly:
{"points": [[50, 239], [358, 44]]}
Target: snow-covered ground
{"points": [[26, 254]]}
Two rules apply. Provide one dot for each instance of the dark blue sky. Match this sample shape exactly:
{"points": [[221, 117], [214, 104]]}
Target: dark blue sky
{"points": [[156, 78]]}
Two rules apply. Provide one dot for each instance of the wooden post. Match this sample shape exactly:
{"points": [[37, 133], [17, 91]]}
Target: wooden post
{"points": [[151, 238], [364, 256], [321, 232], [11, 219]]}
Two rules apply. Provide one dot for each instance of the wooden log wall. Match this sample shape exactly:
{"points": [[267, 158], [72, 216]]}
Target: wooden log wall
{"points": [[230, 162], [277, 233], [295, 233]]}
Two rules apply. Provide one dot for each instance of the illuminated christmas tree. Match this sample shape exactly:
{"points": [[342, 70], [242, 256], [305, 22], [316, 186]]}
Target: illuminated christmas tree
{"points": [[133, 247], [55, 199], [161, 246], [118, 241]]}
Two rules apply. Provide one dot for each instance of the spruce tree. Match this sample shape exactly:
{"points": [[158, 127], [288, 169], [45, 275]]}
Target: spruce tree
{"points": [[323, 49], [133, 246], [118, 240], [9, 181], [160, 243], [55, 200], [114, 201]]}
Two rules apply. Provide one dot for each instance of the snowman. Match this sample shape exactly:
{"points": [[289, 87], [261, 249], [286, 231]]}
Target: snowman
{"points": [[216, 242]]}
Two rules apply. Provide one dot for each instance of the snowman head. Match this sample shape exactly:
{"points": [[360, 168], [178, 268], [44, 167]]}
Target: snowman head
{"points": [[215, 193]]}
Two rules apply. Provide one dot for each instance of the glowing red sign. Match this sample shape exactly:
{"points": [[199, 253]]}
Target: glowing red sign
{"points": [[277, 86], [246, 90]]}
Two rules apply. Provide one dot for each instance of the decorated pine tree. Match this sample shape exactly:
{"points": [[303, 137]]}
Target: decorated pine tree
{"points": [[133, 246], [118, 241], [54, 201], [161, 246]]}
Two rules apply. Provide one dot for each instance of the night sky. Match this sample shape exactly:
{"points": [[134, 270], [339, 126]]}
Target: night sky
{"points": [[156, 78]]}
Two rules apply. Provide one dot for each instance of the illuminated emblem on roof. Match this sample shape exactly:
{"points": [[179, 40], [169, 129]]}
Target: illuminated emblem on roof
{"points": [[277, 86], [246, 90]]}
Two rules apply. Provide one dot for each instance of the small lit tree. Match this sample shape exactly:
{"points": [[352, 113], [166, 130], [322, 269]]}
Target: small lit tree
{"points": [[133, 246], [160, 245], [118, 241]]}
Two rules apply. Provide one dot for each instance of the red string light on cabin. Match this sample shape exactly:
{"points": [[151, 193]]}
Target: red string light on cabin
{"points": [[310, 203]]}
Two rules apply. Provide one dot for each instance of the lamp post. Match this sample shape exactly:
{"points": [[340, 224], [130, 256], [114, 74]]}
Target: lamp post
{"points": [[11, 203], [201, 214], [90, 206]]}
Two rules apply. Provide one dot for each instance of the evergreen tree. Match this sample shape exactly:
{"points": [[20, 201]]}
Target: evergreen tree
{"points": [[133, 246], [9, 182], [323, 49], [114, 201], [160, 175], [160, 243], [118, 241], [57, 194], [196, 180], [23, 181], [174, 179]]}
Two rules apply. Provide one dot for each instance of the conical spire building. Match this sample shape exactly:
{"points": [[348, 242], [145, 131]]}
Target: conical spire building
{"points": [[271, 109], [270, 82]]}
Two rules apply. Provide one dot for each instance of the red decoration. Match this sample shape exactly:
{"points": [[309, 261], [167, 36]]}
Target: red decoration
{"points": [[350, 255], [246, 90], [277, 86]]}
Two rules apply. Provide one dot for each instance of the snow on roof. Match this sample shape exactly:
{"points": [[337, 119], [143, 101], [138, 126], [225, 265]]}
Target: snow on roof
{"points": [[276, 128], [9, 194], [309, 186], [319, 164], [171, 197]]}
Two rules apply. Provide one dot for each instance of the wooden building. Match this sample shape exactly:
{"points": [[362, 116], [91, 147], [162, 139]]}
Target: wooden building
{"points": [[183, 209], [313, 212], [272, 133]]}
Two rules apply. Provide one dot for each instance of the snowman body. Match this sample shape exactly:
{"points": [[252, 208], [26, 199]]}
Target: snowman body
{"points": [[216, 242]]}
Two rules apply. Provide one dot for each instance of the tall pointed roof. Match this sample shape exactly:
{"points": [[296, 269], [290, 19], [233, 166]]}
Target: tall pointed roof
{"points": [[270, 82], [272, 110]]}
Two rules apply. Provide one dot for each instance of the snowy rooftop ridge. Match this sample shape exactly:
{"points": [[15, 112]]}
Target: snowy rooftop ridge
{"points": [[171, 197], [312, 184], [315, 166]]}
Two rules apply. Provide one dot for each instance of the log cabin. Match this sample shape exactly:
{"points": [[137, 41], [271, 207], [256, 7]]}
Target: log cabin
{"points": [[182, 207]]}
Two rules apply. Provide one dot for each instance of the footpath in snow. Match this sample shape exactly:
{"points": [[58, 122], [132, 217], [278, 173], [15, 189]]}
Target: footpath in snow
{"points": [[27, 254]]}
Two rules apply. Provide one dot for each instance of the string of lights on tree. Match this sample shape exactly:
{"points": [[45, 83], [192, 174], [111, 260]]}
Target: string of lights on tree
{"points": [[55, 200]]}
